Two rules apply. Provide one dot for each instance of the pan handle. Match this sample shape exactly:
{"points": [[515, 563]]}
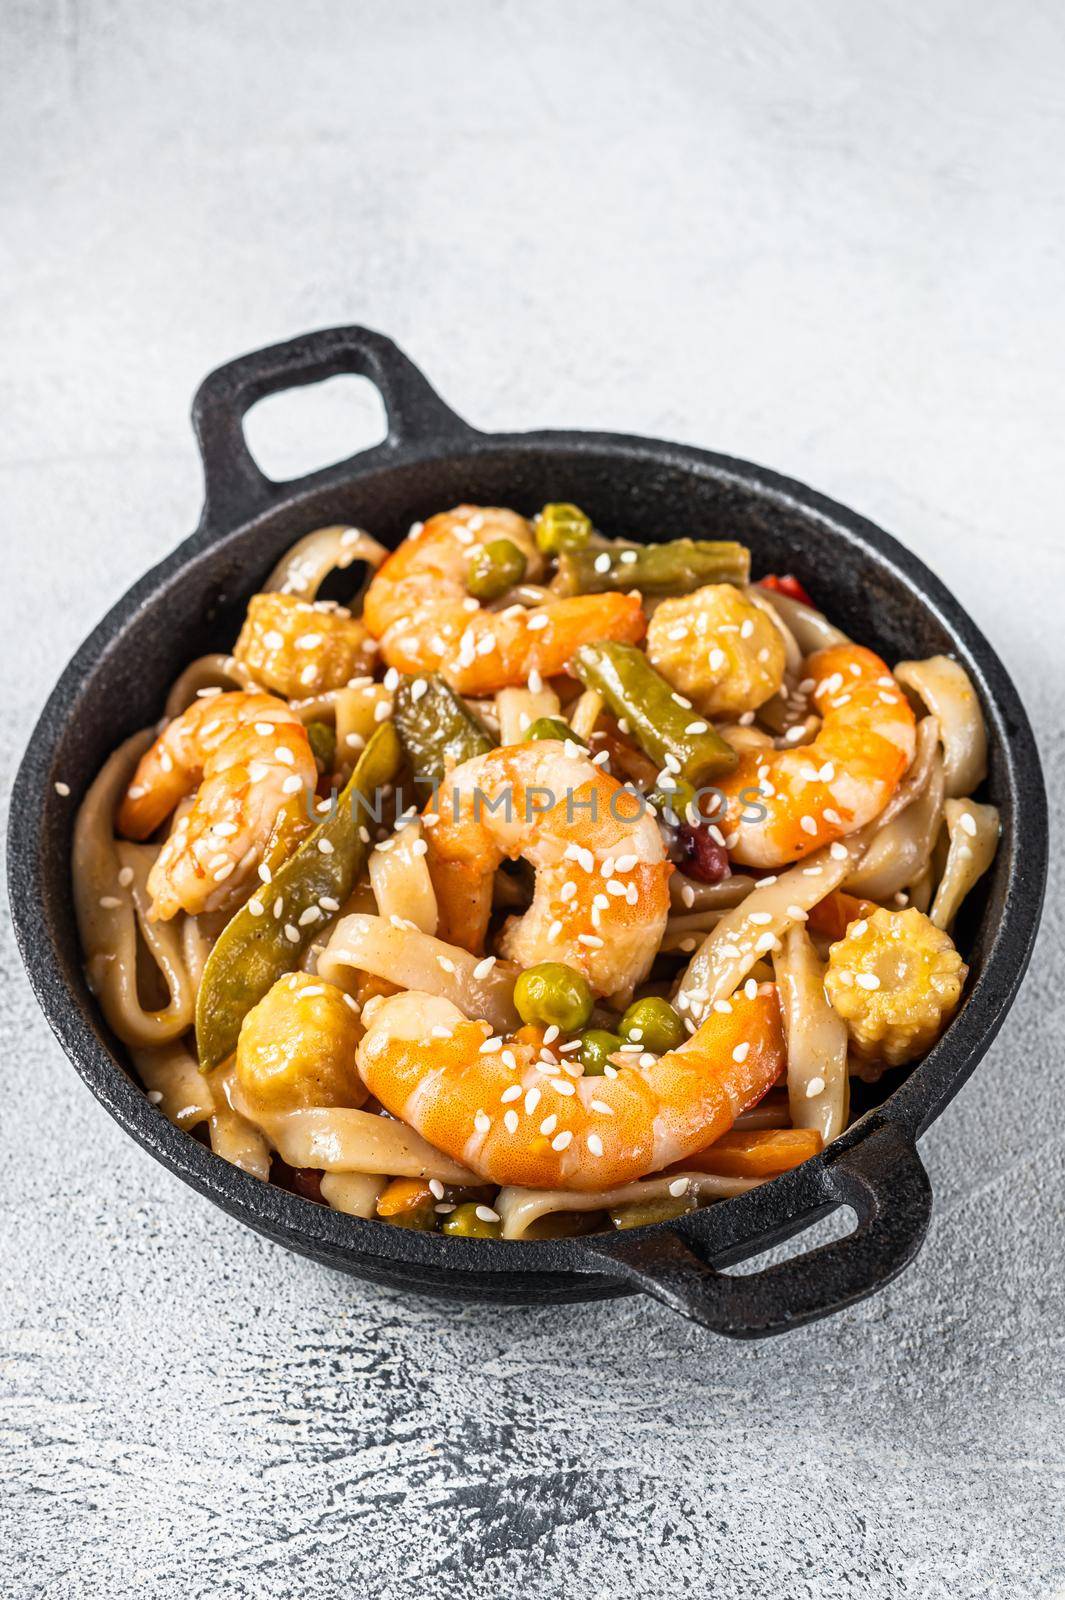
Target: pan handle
{"points": [[882, 1177], [234, 487]]}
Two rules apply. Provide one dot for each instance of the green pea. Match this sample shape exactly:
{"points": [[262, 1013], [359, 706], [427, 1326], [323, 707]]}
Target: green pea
{"points": [[553, 994], [654, 1024], [597, 1046], [464, 1223], [562, 527], [553, 728], [494, 568]]}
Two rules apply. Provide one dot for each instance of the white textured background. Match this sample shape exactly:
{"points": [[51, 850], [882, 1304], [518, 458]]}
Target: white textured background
{"points": [[823, 234]]}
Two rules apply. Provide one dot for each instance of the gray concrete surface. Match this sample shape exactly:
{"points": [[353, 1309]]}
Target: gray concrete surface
{"points": [[822, 235]]}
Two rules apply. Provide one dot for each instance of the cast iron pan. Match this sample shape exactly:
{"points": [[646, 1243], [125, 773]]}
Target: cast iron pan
{"points": [[193, 602]]}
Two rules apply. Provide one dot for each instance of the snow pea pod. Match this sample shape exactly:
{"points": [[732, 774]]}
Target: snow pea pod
{"points": [[674, 736], [437, 729], [257, 946], [676, 567]]}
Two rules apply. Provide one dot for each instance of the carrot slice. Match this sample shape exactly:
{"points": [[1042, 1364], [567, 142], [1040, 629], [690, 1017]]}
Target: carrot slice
{"points": [[754, 1152], [831, 917], [402, 1196]]}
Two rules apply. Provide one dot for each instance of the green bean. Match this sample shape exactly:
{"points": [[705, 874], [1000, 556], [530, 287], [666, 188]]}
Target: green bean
{"points": [[597, 1046], [676, 567], [464, 1223], [654, 1024], [674, 804], [642, 1213], [552, 993], [674, 737], [253, 951], [562, 526], [322, 739], [494, 568], [554, 728], [437, 729]]}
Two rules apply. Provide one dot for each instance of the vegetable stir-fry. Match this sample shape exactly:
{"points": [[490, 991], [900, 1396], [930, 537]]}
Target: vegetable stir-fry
{"points": [[558, 883]]}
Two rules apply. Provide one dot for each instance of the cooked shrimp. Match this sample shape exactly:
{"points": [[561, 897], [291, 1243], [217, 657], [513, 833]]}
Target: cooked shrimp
{"points": [[516, 1112], [248, 758], [601, 897], [419, 608], [172, 767], [825, 790]]}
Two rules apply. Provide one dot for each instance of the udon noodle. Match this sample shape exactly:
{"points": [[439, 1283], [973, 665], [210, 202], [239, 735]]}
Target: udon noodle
{"points": [[327, 963]]}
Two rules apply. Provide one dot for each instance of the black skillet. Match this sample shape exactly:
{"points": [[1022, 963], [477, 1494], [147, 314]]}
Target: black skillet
{"points": [[193, 602]]}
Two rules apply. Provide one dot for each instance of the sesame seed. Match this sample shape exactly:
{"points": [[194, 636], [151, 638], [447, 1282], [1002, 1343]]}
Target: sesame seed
{"points": [[537, 620], [291, 933], [63, 789], [108, 902], [867, 980], [279, 906], [563, 1140], [511, 1092], [808, 825], [125, 877], [563, 1086], [510, 1121], [967, 823], [532, 1100], [482, 1122], [549, 1125], [154, 1096], [602, 563], [602, 1107], [486, 1214], [760, 918], [678, 1187], [741, 1052], [256, 907], [325, 847], [838, 852], [815, 1087], [595, 1144]]}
